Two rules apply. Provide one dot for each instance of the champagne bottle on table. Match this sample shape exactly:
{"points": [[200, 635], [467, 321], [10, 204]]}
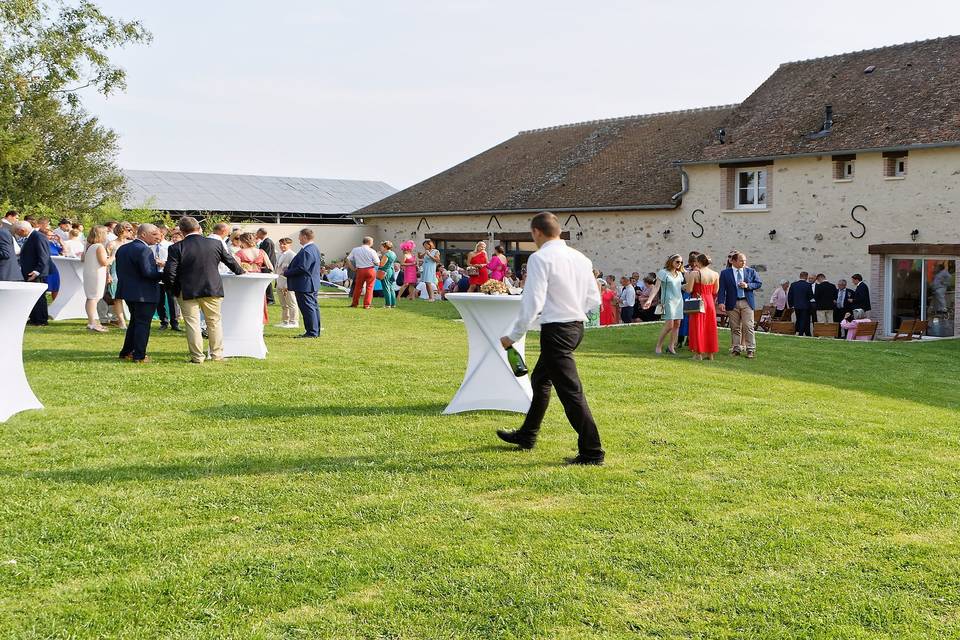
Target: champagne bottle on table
{"points": [[516, 362]]}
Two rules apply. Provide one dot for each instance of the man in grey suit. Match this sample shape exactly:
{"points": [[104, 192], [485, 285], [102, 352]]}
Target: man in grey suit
{"points": [[9, 265]]}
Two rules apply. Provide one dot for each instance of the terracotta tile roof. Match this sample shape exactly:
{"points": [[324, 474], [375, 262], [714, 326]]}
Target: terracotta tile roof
{"points": [[620, 162], [894, 96]]}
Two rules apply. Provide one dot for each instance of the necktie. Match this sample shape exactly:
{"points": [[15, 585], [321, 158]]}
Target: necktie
{"points": [[740, 293]]}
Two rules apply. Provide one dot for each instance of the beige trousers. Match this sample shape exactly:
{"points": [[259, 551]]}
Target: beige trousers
{"points": [[290, 313], [191, 317], [741, 327], [825, 315]]}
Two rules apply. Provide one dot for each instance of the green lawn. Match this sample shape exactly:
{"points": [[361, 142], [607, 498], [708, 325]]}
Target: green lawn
{"points": [[811, 493]]}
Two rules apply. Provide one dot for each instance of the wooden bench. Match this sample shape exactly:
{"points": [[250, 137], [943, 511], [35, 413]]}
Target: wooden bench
{"points": [[826, 329], [782, 327], [911, 330], [867, 328], [787, 315]]}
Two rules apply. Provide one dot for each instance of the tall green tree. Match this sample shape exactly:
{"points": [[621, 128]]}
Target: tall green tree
{"points": [[52, 151]]}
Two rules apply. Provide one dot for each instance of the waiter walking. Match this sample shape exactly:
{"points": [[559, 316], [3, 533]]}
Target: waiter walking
{"points": [[560, 289]]}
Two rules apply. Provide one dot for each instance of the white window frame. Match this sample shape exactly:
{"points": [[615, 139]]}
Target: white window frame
{"points": [[849, 169], [900, 167], [756, 189]]}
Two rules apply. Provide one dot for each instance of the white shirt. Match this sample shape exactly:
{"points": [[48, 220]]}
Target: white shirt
{"points": [[222, 268], [364, 257], [63, 235], [567, 276], [161, 249], [73, 248], [283, 261], [111, 236], [628, 296], [337, 275]]}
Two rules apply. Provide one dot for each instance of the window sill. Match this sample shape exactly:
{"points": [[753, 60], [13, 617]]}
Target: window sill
{"points": [[894, 177], [843, 179], [745, 210]]}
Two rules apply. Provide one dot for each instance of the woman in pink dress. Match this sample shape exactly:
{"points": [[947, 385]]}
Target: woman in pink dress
{"points": [[254, 260], [409, 263], [851, 322], [497, 267]]}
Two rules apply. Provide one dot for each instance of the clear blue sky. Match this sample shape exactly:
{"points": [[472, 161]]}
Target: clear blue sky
{"points": [[398, 91]]}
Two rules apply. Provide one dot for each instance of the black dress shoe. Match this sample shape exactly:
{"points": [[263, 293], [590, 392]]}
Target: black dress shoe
{"points": [[162, 327], [177, 329], [517, 437], [580, 460], [203, 333], [304, 335]]}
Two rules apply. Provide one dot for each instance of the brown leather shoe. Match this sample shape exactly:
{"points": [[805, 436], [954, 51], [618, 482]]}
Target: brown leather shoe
{"points": [[129, 356], [145, 360]]}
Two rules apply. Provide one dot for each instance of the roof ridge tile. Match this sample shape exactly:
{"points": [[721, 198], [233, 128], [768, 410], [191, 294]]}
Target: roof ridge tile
{"points": [[870, 50], [641, 116]]}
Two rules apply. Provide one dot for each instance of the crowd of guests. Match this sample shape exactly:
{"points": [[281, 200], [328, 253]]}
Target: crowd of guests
{"points": [[417, 272], [133, 273]]}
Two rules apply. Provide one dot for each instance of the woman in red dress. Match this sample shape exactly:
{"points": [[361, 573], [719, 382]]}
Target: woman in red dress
{"points": [[254, 260], [477, 266], [702, 282], [608, 313]]}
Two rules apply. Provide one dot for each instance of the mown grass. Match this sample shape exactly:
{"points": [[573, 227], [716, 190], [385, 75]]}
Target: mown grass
{"points": [[811, 493]]}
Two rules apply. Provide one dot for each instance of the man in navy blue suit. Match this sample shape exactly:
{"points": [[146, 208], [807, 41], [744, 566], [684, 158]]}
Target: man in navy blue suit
{"points": [[735, 298], [303, 278], [138, 284], [800, 298], [34, 266]]}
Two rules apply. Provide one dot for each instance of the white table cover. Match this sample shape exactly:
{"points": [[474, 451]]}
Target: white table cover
{"points": [[71, 301], [242, 314], [489, 382], [16, 301]]}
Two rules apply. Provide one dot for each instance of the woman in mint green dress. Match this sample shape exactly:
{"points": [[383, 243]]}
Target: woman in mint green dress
{"points": [[670, 286], [387, 259]]}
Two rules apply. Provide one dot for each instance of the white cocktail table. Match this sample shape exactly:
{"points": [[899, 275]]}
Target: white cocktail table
{"points": [[242, 314], [16, 301], [71, 301], [489, 382]]}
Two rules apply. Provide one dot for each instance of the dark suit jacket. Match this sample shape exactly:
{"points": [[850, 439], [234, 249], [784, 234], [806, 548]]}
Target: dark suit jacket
{"points": [[861, 296], [9, 265], [138, 279], [35, 255], [727, 294], [826, 296], [269, 248], [799, 295], [303, 273], [192, 268]]}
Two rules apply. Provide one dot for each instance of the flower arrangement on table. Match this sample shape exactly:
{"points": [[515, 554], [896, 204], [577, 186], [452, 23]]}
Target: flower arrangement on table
{"points": [[494, 288]]}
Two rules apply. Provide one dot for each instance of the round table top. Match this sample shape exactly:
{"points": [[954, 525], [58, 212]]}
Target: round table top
{"points": [[67, 258], [6, 285], [483, 296], [252, 276]]}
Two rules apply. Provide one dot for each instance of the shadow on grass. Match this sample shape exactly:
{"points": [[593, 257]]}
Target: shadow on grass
{"points": [[927, 373], [254, 411], [194, 469]]}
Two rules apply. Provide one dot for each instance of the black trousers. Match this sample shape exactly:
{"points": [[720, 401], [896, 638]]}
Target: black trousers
{"points": [[138, 330], [39, 314], [166, 309], [556, 368], [802, 323]]}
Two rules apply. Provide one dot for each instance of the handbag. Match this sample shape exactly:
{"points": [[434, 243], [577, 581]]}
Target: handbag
{"points": [[381, 274], [658, 310], [693, 305], [473, 271]]}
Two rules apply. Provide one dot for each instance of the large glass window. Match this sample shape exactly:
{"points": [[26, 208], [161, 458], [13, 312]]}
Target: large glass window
{"points": [[941, 279], [751, 189], [924, 289]]}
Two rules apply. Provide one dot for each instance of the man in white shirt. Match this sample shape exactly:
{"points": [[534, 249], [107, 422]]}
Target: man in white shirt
{"points": [[166, 307], [110, 225], [63, 230], [364, 261], [628, 299], [221, 231], [560, 289]]}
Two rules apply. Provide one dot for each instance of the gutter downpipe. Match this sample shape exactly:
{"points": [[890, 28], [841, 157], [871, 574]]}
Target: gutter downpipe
{"points": [[684, 187]]}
